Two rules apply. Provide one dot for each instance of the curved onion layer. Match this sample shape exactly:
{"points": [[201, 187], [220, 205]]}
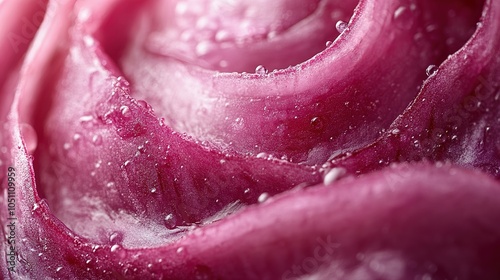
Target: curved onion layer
{"points": [[108, 189], [455, 116], [306, 113]]}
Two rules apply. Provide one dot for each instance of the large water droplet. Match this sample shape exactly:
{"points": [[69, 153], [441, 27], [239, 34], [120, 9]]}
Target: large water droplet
{"points": [[431, 70], [86, 119], [341, 26], [115, 248], [125, 110], [203, 48], [261, 70], [328, 43], [263, 197], [170, 221], [333, 175], [403, 18], [77, 137], [144, 104], [121, 82], [262, 155], [116, 237], [317, 124], [29, 136]]}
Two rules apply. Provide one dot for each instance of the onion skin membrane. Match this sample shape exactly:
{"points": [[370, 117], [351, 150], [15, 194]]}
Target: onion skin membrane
{"points": [[117, 179]]}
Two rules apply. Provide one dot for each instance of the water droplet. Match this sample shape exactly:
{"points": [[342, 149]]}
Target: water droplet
{"points": [[144, 104], [263, 197], [180, 250], [261, 70], [115, 248], [86, 119], [202, 48], [59, 269], [222, 35], [95, 248], [153, 190], [29, 136], [110, 184], [262, 155], [333, 175], [328, 43], [223, 63], [116, 237], [203, 272], [35, 207], [66, 146], [341, 26], [395, 131], [77, 137], [121, 82], [170, 221], [403, 18], [125, 111], [272, 34], [317, 123], [431, 70], [97, 139], [127, 163]]}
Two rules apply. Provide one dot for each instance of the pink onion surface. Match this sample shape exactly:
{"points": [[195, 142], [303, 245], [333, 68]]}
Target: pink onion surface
{"points": [[184, 139]]}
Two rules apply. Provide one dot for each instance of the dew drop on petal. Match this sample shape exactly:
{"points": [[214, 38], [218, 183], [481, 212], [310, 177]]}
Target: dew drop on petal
{"points": [[77, 137], [262, 155], [403, 18], [86, 119], [431, 70], [341, 26], [263, 197], [144, 104], [97, 139], [203, 48], [333, 175], [115, 237], [317, 123], [115, 248], [170, 221], [261, 70], [125, 111], [328, 43]]}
